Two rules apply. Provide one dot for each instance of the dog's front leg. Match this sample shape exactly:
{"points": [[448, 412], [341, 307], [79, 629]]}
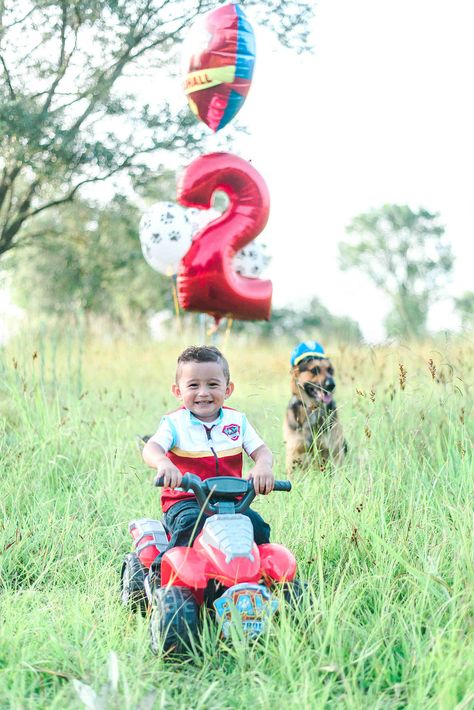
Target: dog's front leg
{"points": [[337, 443]]}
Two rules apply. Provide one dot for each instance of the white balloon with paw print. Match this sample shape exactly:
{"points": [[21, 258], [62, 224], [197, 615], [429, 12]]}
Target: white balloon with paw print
{"points": [[252, 260], [168, 229], [165, 236]]}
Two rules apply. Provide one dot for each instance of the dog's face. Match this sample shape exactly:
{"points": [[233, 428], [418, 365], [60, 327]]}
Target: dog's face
{"points": [[313, 378]]}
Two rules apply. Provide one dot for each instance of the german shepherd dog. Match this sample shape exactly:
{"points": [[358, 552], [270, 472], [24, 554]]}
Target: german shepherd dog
{"points": [[312, 429]]}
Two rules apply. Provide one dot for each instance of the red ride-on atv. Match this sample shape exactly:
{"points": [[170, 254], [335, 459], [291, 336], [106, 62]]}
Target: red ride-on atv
{"points": [[223, 569]]}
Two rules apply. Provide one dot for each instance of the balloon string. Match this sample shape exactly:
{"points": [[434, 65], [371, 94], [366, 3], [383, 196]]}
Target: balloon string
{"points": [[176, 302], [227, 332], [213, 328]]}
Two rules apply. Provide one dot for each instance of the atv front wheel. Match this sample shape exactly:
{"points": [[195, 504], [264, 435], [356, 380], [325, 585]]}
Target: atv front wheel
{"points": [[174, 619], [132, 592]]}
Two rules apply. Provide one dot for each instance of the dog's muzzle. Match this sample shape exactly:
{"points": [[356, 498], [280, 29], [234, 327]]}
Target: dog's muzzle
{"points": [[323, 394]]}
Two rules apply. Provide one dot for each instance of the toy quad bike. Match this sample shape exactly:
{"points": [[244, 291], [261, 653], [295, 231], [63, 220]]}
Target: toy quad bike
{"points": [[224, 569]]}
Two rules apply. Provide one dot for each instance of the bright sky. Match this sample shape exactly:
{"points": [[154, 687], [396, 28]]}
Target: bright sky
{"points": [[383, 111]]}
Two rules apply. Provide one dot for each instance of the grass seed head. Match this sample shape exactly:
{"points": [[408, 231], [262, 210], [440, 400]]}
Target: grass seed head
{"points": [[432, 368], [402, 377]]}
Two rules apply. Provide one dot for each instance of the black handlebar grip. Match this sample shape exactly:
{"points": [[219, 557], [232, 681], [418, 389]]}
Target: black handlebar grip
{"points": [[186, 482], [282, 486]]}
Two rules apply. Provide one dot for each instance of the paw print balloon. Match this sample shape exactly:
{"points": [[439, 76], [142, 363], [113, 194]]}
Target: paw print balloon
{"points": [[252, 260], [165, 236]]}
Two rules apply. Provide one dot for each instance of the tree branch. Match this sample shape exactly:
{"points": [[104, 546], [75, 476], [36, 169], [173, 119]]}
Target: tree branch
{"points": [[63, 61], [7, 74], [11, 229], [7, 181], [22, 19]]}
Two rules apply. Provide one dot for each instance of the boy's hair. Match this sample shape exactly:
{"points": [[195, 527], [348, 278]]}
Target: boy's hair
{"points": [[203, 353]]}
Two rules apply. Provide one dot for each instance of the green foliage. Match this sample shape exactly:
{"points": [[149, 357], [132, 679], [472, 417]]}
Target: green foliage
{"points": [[465, 307], [405, 255], [70, 110], [313, 321], [89, 261]]}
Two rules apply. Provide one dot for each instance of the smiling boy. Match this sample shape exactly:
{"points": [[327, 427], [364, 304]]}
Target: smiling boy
{"points": [[206, 438]]}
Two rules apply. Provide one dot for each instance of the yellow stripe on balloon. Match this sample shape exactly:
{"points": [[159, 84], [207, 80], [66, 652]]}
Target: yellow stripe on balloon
{"points": [[193, 106], [207, 78]]}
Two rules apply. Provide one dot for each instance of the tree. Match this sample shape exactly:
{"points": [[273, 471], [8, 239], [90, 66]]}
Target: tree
{"points": [[315, 321], [89, 262], [465, 307], [405, 255], [66, 118]]}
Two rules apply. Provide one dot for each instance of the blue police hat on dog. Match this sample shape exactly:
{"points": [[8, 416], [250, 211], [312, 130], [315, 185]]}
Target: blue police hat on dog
{"points": [[310, 348]]}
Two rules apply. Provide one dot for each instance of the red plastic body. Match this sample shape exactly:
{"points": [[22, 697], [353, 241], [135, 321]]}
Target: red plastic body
{"points": [[194, 566], [148, 554]]}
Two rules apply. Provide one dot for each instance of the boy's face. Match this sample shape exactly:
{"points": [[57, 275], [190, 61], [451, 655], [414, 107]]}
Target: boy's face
{"points": [[203, 388]]}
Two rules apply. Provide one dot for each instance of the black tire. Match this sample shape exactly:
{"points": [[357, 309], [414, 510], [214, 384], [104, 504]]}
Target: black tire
{"points": [[132, 588], [174, 619], [293, 592]]}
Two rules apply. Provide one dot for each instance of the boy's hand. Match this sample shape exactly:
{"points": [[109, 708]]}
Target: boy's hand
{"points": [[171, 475], [263, 479]]}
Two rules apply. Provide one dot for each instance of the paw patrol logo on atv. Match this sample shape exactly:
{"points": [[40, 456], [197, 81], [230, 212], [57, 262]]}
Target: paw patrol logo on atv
{"points": [[251, 603]]}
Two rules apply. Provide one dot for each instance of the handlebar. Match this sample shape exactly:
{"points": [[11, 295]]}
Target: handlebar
{"points": [[223, 488]]}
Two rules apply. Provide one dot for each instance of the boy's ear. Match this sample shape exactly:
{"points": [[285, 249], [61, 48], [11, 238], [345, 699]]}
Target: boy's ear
{"points": [[229, 389], [176, 391]]}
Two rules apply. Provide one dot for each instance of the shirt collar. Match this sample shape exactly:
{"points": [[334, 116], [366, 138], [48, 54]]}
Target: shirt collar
{"points": [[195, 420]]}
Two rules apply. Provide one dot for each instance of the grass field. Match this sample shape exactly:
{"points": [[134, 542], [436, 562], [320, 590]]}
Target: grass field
{"points": [[386, 541]]}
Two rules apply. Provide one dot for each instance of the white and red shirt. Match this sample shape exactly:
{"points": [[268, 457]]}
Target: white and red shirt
{"points": [[205, 448]]}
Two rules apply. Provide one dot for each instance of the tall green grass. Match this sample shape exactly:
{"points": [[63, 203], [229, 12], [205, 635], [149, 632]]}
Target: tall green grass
{"points": [[386, 541]]}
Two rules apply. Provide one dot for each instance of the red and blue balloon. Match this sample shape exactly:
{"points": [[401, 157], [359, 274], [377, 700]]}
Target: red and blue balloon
{"points": [[218, 59]]}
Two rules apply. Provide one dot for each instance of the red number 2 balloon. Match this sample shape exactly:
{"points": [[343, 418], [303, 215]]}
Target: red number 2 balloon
{"points": [[207, 281]]}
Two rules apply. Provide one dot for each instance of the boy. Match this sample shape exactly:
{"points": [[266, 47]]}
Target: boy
{"points": [[205, 438]]}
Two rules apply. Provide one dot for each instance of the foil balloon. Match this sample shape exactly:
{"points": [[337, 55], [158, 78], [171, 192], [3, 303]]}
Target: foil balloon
{"points": [[207, 281], [165, 236], [250, 261], [218, 62]]}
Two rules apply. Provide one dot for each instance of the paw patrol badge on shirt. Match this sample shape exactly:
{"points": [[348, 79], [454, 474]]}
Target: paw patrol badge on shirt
{"points": [[310, 348], [232, 431]]}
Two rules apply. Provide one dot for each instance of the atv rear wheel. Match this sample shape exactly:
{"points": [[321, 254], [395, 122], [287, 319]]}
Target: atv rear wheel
{"points": [[132, 591], [293, 592], [174, 619]]}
